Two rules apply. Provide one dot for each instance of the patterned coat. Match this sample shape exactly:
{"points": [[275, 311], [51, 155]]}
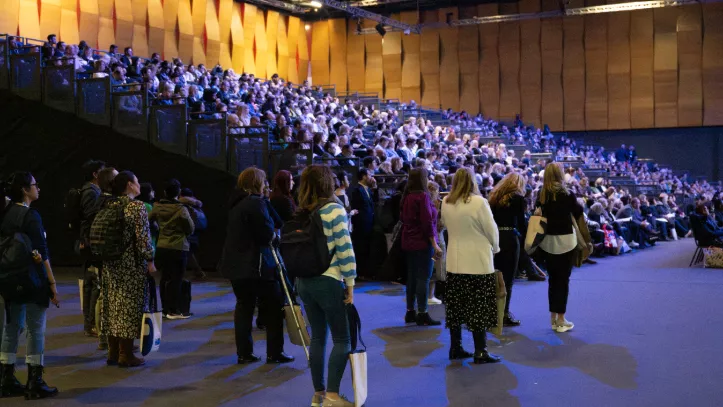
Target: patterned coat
{"points": [[124, 282]]}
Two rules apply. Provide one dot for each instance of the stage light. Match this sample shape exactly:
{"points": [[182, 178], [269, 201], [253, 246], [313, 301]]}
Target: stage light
{"points": [[316, 4], [307, 27]]}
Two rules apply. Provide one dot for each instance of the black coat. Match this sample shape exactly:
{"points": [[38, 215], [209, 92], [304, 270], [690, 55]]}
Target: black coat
{"points": [[247, 249], [363, 222]]}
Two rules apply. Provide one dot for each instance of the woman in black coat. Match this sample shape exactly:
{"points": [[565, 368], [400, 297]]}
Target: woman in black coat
{"points": [[247, 261]]}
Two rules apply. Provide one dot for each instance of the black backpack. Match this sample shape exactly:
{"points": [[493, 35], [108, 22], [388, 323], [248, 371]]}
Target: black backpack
{"points": [[106, 232], [18, 279], [73, 208], [304, 245]]}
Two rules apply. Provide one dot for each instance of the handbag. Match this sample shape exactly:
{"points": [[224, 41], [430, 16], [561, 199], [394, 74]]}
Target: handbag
{"points": [[152, 322], [536, 228], [501, 302], [584, 247], [357, 357]]}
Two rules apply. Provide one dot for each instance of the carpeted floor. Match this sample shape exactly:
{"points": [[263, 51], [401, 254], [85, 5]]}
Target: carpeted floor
{"points": [[648, 333]]}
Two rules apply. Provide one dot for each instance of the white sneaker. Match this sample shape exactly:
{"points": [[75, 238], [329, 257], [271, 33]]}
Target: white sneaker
{"points": [[564, 326], [316, 400], [553, 322], [434, 301], [342, 402], [177, 316], [634, 244]]}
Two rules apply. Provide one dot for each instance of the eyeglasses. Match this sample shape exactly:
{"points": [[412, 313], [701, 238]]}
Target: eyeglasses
{"points": [[35, 185]]}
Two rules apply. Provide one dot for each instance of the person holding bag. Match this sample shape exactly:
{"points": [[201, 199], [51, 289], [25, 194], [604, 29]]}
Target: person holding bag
{"points": [[440, 265], [560, 208], [471, 295], [325, 295]]}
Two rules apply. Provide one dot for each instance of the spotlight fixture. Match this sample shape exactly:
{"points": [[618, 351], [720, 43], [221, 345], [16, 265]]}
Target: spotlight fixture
{"points": [[316, 4], [307, 27], [380, 29]]}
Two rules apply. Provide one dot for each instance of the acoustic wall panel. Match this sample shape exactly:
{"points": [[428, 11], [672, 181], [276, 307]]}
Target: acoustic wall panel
{"points": [[140, 36], [509, 53], [272, 32], [123, 17], [282, 42], [713, 64], [392, 64], [449, 61], [198, 13], [213, 37], [170, 20], [29, 19], [261, 44], [618, 71], [106, 27], [354, 58], [665, 67], [596, 72], [337, 53], [185, 31], [320, 53], [642, 112], [374, 67], [690, 56], [551, 54], [9, 15], [156, 34], [303, 43], [293, 44], [573, 73], [249, 22], [489, 64], [411, 75], [49, 16], [429, 63], [469, 69], [530, 65], [225, 14]]}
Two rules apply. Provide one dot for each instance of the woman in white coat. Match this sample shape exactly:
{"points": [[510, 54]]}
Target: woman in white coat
{"points": [[471, 295]]}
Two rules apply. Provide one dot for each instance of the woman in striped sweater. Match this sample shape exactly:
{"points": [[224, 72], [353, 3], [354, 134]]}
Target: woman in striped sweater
{"points": [[325, 296]]}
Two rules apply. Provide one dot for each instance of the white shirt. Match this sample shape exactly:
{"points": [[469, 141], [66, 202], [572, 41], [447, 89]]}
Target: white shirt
{"points": [[473, 236]]}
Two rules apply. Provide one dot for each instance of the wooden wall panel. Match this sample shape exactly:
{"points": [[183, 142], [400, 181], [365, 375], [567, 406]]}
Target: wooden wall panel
{"points": [[509, 53], [469, 69], [596, 72], [449, 62], [261, 44], [9, 14], [713, 65], [392, 64], [489, 64], [225, 14], [374, 67], [293, 43], [642, 112], [140, 37], [429, 63], [354, 58], [618, 71], [337, 53], [106, 26], [237, 39], [551, 35], [573, 73], [50, 17], [303, 53], [690, 56], [320, 53], [272, 32], [29, 19], [282, 41], [156, 32], [88, 21], [530, 65], [665, 67], [198, 14], [69, 21], [249, 22], [213, 37], [170, 20], [185, 31], [411, 75]]}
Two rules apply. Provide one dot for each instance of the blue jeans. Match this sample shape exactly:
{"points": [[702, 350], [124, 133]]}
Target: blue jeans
{"points": [[33, 316], [324, 304], [419, 272]]}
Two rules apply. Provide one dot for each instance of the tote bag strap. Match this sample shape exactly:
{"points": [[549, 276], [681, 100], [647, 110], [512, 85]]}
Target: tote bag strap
{"points": [[355, 328], [152, 295]]}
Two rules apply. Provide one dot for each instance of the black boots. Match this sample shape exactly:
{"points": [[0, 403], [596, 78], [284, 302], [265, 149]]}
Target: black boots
{"points": [[279, 359], [36, 387], [410, 317], [480, 349], [455, 349], [423, 319], [113, 351], [9, 385], [510, 320]]}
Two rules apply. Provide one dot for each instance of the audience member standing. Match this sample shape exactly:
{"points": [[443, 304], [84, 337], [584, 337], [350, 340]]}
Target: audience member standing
{"points": [[557, 205], [362, 200], [281, 198], [200, 223]]}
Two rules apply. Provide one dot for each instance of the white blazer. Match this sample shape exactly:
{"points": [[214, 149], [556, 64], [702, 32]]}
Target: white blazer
{"points": [[473, 236]]}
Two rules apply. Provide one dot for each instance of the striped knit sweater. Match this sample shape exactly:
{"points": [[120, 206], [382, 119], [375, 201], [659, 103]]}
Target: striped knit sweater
{"points": [[336, 229]]}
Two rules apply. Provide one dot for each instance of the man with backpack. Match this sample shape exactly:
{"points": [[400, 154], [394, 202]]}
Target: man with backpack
{"points": [[200, 224]]}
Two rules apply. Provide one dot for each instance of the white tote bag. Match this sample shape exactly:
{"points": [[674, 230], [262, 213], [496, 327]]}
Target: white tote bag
{"points": [[357, 357], [152, 322], [535, 233]]}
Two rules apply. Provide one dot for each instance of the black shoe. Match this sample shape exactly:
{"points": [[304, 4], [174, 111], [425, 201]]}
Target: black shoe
{"points": [[423, 319], [510, 320], [10, 386], [36, 387], [459, 353], [410, 317], [535, 277], [280, 358], [485, 357], [243, 360], [589, 261]]}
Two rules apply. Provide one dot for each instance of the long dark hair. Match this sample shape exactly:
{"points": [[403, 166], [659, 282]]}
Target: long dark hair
{"points": [[282, 185], [13, 187], [417, 182]]}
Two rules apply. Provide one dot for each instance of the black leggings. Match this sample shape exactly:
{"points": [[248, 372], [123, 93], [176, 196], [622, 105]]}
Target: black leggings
{"points": [[172, 264], [559, 268], [507, 260]]}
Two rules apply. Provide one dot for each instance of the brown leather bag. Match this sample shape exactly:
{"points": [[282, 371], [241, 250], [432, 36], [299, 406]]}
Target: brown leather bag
{"points": [[584, 241]]}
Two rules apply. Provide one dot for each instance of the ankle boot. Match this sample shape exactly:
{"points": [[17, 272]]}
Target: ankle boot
{"points": [[455, 349], [10, 386], [423, 319], [126, 358], [480, 349], [36, 387], [113, 351], [410, 317]]}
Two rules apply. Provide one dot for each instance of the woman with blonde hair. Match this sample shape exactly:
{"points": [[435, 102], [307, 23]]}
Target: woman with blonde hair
{"points": [[508, 209], [560, 207], [471, 294]]}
